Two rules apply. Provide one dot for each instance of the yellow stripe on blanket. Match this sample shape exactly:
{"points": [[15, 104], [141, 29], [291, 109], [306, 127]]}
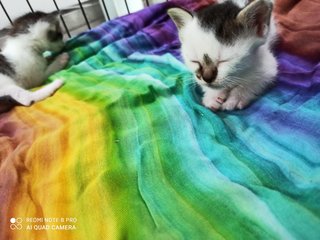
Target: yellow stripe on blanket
{"points": [[57, 163]]}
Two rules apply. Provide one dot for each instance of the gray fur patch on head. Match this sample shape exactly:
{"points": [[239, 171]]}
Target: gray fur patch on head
{"points": [[21, 25], [229, 22], [221, 19]]}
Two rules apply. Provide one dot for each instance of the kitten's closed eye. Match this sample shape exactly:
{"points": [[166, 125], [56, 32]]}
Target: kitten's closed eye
{"points": [[54, 35], [199, 70], [219, 62], [197, 62], [223, 61]]}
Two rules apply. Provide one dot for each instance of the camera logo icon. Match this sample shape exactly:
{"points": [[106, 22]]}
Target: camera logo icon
{"points": [[16, 223]]}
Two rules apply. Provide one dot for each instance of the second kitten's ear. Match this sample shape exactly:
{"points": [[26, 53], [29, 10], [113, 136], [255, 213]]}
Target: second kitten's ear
{"points": [[4, 31], [256, 15], [180, 16], [53, 16], [56, 14]]}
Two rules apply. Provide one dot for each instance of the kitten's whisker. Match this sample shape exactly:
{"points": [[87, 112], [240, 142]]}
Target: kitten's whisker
{"points": [[191, 84]]}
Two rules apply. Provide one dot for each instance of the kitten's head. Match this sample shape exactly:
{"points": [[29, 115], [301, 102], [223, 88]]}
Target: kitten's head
{"points": [[43, 29], [220, 40]]}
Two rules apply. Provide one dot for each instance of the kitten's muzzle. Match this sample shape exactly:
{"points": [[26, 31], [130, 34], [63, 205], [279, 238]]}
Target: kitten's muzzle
{"points": [[207, 73]]}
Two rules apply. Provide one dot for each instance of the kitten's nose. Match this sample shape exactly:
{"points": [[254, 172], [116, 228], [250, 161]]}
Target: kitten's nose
{"points": [[209, 74]]}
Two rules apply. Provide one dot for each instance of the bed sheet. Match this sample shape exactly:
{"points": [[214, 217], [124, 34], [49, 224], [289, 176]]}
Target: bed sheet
{"points": [[125, 150]]}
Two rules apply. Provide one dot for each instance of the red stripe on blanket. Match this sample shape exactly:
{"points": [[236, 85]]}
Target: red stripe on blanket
{"points": [[299, 27]]}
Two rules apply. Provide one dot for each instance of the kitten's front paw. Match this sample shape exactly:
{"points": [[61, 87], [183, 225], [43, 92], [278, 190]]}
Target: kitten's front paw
{"points": [[214, 99], [26, 102], [211, 103], [24, 98], [57, 84], [63, 59], [235, 102], [231, 104]]}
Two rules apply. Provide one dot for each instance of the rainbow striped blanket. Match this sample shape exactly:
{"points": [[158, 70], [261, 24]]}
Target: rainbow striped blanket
{"points": [[125, 150]]}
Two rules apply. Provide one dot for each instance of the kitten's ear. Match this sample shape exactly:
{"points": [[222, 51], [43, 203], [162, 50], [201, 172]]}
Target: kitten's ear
{"points": [[56, 14], [53, 17], [4, 31], [180, 16], [256, 15]]}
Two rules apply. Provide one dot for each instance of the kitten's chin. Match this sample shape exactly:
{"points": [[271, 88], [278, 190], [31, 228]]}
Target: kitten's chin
{"points": [[213, 85]]}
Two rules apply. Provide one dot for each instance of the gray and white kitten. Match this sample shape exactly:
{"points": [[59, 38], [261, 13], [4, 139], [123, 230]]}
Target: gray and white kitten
{"points": [[22, 64], [227, 47]]}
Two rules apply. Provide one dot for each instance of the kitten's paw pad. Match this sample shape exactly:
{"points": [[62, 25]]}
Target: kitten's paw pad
{"points": [[211, 104], [220, 100], [214, 99]]}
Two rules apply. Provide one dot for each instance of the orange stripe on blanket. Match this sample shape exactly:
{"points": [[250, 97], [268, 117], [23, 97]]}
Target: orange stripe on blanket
{"points": [[50, 154]]}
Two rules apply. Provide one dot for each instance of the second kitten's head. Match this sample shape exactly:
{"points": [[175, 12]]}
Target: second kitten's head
{"points": [[219, 41], [42, 29]]}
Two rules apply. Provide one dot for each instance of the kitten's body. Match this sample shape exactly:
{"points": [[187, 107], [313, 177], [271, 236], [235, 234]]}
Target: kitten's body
{"points": [[227, 46], [22, 65]]}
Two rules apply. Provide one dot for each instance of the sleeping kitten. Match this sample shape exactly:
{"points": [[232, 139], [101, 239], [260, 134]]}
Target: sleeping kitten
{"points": [[22, 65], [227, 47]]}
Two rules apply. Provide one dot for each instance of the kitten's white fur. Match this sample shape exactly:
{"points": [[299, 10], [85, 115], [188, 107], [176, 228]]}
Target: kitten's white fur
{"points": [[249, 83], [24, 52]]}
